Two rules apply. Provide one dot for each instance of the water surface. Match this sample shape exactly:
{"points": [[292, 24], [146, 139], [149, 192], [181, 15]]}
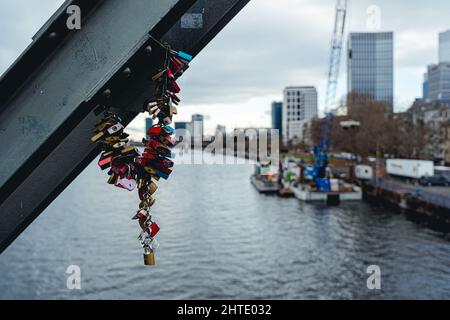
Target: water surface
{"points": [[220, 239]]}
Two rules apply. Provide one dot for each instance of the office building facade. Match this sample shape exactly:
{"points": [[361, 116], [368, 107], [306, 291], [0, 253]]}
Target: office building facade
{"points": [[221, 129], [444, 46], [425, 87], [182, 125], [299, 107], [196, 126], [439, 82], [370, 66], [148, 125], [277, 116]]}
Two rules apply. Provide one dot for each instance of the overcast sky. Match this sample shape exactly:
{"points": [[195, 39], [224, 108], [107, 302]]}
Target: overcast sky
{"points": [[269, 45]]}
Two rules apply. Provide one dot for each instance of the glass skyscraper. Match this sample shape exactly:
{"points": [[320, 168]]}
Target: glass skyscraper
{"points": [[437, 77], [277, 116], [439, 82], [148, 125], [444, 46], [371, 66]]}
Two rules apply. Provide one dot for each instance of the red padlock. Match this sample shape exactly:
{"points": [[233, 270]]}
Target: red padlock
{"points": [[162, 163], [156, 146], [173, 96], [105, 162], [149, 156], [142, 161], [142, 192], [154, 131], [119, 168], [141, 215], [170, 74], [175, 87], [169, 140], [176, 65], [153, 229]]}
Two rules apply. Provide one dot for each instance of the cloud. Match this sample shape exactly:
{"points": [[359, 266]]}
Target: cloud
{"points": [[269, 45]]}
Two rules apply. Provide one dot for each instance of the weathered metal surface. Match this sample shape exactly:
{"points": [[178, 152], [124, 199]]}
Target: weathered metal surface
{"points": [[73, 74], [56, 98]]}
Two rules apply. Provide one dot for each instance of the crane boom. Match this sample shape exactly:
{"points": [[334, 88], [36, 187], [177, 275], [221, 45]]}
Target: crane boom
{"points": [[321, 151], [336, 53]]}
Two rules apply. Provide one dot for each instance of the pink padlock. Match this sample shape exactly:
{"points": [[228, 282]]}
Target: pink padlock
{"points": [[127, 183]]}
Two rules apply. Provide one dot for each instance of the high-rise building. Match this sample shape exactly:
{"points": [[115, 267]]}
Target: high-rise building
{"points": [[425, 87], [444, 46], [220, 129], [299, 107], [371, 66], [196, 126], [148, 125], [182, 125], [277, 116], [439, 82]]}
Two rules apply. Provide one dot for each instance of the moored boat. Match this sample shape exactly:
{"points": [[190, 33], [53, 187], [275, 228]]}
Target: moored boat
{"points": [[345, 192], [264, 179]]}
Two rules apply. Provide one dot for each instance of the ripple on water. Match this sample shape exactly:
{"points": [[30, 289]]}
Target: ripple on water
{"points": [[221, 239]]}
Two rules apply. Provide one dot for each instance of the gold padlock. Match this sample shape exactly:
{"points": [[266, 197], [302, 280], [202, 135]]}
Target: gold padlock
{"points": [[147, 203], [152, 187], [149, 259], [97, 137]]}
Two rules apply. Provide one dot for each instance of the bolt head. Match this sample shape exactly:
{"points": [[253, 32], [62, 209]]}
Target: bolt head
{"points": [[127, 72], [148, 50], [106, 93]]}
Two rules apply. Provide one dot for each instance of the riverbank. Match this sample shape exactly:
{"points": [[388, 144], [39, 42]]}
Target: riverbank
{"points": [[426, 205]]}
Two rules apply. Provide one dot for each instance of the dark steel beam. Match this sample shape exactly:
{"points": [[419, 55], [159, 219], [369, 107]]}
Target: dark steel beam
{"points": [[40, 110], [75, 72], [68, 150]]}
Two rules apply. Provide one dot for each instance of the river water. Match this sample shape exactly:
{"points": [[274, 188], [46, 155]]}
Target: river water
{"points": [[220, 239]]}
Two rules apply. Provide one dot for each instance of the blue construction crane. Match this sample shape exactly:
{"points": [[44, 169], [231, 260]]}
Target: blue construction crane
{"points": [[321, 151]]}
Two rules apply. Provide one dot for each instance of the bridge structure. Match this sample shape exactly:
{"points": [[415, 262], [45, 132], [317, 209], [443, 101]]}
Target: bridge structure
{"points": [[50, 94]]}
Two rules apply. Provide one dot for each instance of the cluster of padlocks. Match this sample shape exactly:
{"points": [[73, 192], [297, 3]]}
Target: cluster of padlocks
{"points": [[129, 169]]}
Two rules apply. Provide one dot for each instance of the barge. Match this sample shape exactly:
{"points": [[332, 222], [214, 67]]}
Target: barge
{"points": [[345, 192], [265, 180]]}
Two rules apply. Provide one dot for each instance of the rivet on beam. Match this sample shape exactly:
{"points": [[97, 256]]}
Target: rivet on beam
{"points": [[126, 72], [148, 50], [106, 93]]}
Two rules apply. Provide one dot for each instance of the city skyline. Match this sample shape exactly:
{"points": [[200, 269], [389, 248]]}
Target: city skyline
{"points": [[236, 86], [172, 150]]}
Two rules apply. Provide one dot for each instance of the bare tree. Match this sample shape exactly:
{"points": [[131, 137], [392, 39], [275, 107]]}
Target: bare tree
{"points": [[380, 132]]}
